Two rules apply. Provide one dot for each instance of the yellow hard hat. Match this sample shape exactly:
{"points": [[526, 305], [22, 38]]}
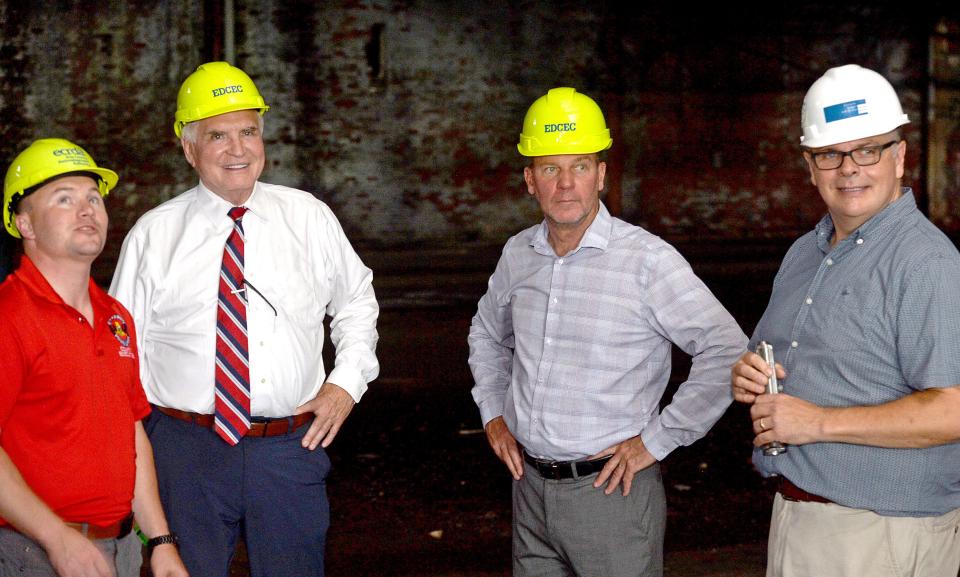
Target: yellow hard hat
{"points": [[564, 121], [215, 88], [42, 161]]}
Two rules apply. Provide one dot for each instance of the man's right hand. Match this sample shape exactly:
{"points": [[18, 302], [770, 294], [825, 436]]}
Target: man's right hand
{"points": [[73, 555], [504, 444], [749, 376]]}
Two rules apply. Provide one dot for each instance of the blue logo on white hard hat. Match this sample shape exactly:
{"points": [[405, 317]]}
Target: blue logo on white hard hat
{"points": [[845, 110]]}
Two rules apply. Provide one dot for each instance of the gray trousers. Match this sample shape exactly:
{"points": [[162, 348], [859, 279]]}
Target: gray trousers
{"points": [[21, 556], [567, 528]]}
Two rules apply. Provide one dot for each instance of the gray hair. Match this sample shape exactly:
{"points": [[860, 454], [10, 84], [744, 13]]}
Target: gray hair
{"points": [[189, 130]]}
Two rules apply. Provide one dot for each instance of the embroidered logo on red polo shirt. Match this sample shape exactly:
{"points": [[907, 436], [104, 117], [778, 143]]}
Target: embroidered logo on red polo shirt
{"points": [[118, 327]]}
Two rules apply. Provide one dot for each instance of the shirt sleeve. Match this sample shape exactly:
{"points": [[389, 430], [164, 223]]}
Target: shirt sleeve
{"points": [[928, 324], [129, 287], [353, 310], [491, 343], [13, 365], [686, 312], [139, 404]]}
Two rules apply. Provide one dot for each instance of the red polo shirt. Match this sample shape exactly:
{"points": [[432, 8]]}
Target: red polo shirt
{"points": [[69, 397]]}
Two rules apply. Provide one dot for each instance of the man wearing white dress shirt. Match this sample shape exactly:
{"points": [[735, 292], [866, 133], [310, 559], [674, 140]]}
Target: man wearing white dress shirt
{"points": [[229, 284]]}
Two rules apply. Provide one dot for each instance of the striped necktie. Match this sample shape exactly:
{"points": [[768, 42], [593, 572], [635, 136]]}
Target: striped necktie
{"points": [[232, 375]]}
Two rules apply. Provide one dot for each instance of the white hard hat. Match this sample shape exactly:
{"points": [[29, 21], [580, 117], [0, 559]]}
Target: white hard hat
{"points": [[849, 103]]}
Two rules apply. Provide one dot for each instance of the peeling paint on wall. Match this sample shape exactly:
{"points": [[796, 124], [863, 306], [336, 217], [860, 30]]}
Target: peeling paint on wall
{"points": [[404, 115]]}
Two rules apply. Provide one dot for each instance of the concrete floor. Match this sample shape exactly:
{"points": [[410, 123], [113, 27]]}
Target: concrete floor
{"points": [[746, 560], [416, 491]]}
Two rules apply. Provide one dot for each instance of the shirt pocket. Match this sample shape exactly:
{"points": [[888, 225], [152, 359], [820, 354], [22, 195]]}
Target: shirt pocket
{"points": [[854, 318], [302, 303]]}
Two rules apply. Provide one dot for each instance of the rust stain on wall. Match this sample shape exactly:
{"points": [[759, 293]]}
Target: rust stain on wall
{"points": [[404, 115]]}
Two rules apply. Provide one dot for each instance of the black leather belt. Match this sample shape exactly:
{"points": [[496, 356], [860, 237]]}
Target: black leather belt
{"points": [[565, 469]]}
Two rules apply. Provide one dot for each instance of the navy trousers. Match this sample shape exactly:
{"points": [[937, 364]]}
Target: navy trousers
{"points": [[269, 489]]}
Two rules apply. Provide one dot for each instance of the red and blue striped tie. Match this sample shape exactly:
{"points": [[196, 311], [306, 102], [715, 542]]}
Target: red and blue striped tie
{"points": [[232, 406]]}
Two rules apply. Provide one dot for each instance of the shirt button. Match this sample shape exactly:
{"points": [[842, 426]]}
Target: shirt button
{"points": [[559, 261], [794, 344], [99, 352], [261, 343], [809, 300], [859, 241], [549, 341], [555, 300], [263, 380], [829, 262]]}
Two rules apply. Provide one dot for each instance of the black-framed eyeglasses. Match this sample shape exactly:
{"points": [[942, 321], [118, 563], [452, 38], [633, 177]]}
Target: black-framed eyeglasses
{"points": [[863, 156], [242, 292]]}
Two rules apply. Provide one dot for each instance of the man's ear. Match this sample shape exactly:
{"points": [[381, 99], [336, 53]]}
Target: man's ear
{"points": [[189, 151], [901, 156], [811, 166], [528, 179], [25, 226]]}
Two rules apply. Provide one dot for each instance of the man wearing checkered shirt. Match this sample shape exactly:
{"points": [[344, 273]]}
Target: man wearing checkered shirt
{"points": [[570, 350]]}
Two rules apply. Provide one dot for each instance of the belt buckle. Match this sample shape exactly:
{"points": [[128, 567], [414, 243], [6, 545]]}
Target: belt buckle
{"points": [[551, 470]]}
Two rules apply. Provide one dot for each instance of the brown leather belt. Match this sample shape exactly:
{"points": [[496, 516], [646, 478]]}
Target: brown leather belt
{"points": [[259, 428], [117, 530], [791, 492]]}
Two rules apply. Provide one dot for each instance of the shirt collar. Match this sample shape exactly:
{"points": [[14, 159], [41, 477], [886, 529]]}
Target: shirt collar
{"points": [[35, 282], [215, 208], [876, 227], [33, 279], [596, 236]]}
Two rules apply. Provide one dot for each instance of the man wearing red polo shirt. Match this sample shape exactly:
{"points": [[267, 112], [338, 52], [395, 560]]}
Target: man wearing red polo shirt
{"points": [[75, 462]]}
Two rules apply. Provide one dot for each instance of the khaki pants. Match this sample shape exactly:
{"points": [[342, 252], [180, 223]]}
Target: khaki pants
{"points": [[819, 540]]}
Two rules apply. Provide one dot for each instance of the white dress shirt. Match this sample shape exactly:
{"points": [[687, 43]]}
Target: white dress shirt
{"points": [[300, 261]]}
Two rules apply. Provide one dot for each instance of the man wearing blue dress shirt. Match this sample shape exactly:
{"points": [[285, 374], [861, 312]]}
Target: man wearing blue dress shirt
{"points": [[864, 318]]}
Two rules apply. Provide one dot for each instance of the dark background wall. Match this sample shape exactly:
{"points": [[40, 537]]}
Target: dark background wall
{"points": [[403, 115]]}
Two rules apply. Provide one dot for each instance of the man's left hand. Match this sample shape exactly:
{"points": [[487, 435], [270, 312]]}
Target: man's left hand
{"points": [[787, 419], [331, 407], [165, 562], [628, 458]]}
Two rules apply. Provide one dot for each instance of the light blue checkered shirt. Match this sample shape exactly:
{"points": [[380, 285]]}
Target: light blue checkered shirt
{"points": [[865, 322], [574, 351]]}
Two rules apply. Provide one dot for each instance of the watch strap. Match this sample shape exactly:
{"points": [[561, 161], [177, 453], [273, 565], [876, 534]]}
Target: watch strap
{"points": [[163, 540]]}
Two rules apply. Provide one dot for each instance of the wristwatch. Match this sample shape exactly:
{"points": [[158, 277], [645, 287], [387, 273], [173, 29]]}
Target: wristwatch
{"points": [[163, 540]]}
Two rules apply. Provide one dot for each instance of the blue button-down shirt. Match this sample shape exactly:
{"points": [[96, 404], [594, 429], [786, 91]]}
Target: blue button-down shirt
{"points": [[574, 351], [866, 322]]}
